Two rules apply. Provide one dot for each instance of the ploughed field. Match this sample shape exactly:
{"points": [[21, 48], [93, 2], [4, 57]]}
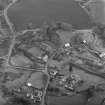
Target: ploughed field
{"points": [[50, 54]]}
